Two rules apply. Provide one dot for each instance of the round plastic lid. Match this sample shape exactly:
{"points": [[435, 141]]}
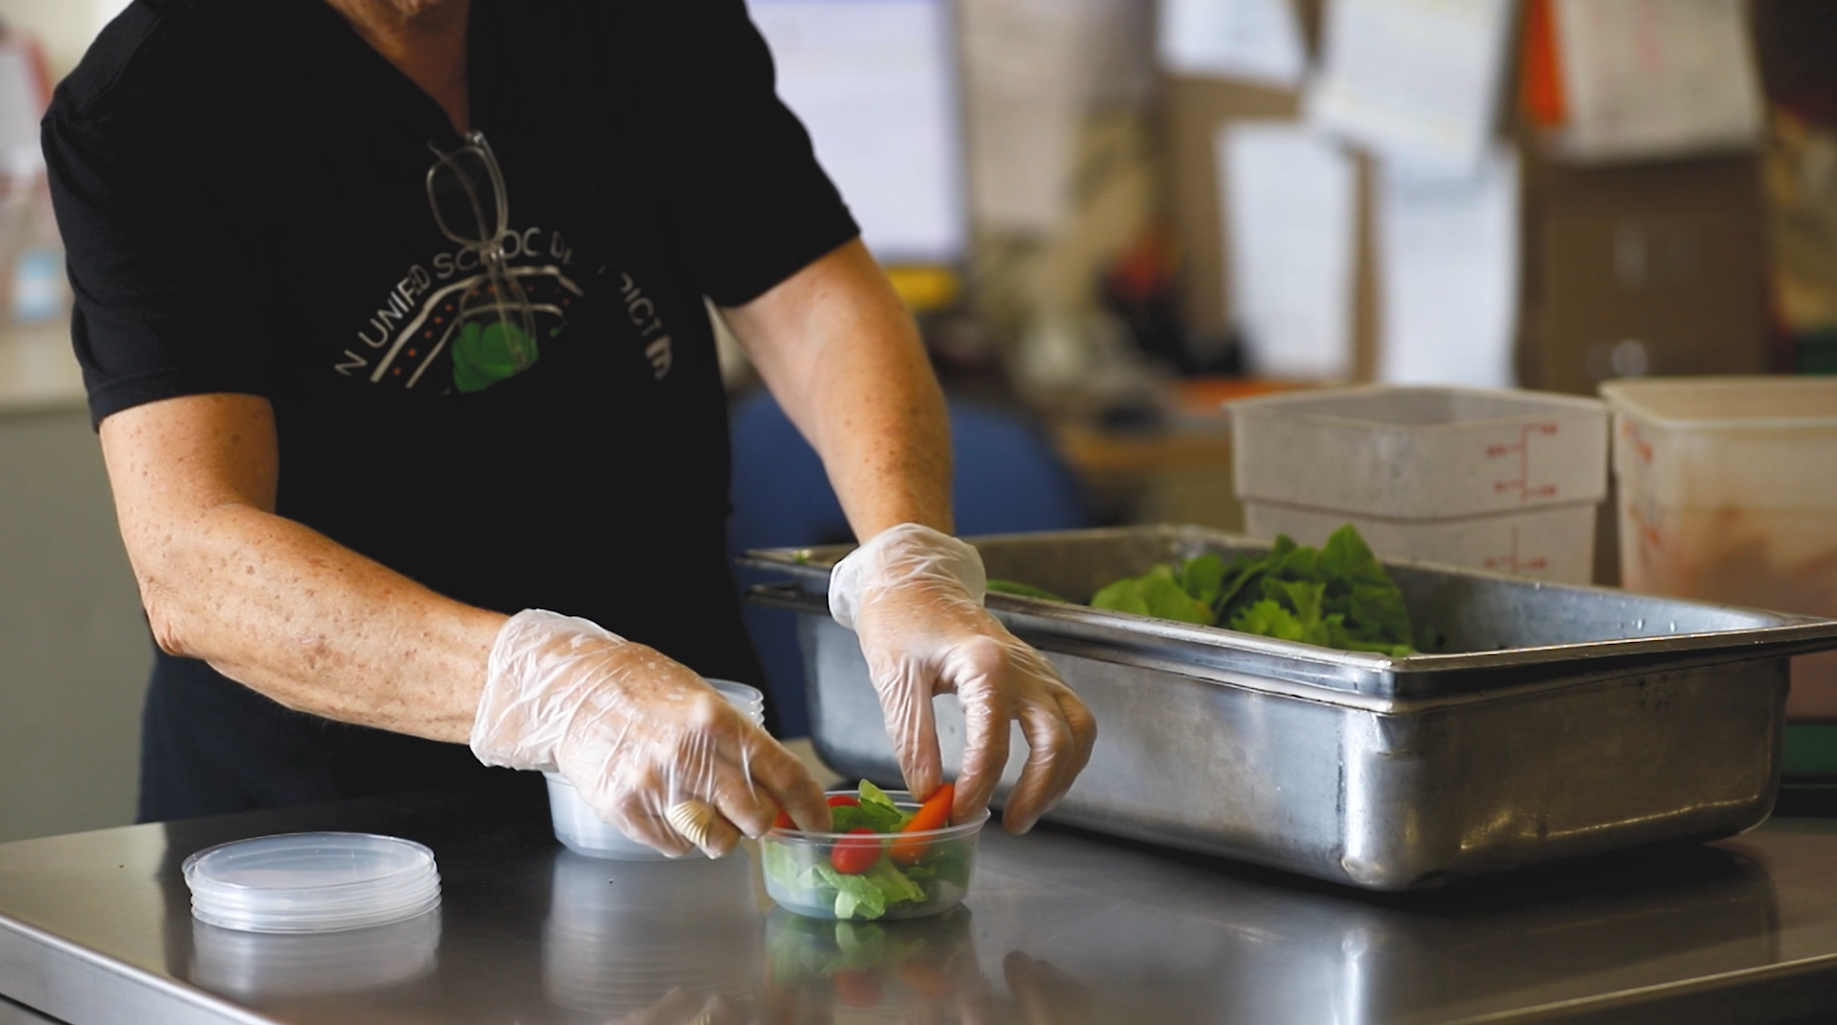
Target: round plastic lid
{"points": [[312, 882]]}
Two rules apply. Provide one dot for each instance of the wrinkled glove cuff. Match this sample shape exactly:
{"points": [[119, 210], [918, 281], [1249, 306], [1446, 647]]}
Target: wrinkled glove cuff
{"points": [[519, 723], [900, 554]]}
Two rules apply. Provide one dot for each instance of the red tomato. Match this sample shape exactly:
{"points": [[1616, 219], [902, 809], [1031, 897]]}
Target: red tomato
{"points": [[840, 800], [856, 852], [783, 821], [933, 814]]}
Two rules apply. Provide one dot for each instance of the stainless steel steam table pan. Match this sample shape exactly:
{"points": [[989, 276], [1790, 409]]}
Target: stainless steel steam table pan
{"points": [[1553, 721]]}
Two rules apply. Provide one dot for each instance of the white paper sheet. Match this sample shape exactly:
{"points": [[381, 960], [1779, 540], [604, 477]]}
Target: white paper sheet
{"points": [[21, 105], [1448, 271], [875, 84], [1290, 203], [1119, 36], [1415, 80], [1028, 84], [1253, 40], [1646, 78]]}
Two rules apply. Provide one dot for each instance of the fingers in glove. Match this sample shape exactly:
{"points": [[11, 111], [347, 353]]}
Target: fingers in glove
{"points": [[733, 793], [639, 821], [703, 825], [986, 713], [1084, 731], [786, 782], [905, 699], [1050, 750]]}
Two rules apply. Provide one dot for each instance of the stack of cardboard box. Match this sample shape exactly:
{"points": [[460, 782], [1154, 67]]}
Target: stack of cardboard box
{"points": [[1653, 266]]}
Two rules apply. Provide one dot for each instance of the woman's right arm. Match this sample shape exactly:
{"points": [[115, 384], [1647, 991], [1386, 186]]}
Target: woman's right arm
{"points": [[319, 628], [268, 602]]}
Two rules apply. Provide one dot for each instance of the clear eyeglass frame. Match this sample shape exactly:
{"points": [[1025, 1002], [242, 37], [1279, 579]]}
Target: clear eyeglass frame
{"points": [[465, 187]]}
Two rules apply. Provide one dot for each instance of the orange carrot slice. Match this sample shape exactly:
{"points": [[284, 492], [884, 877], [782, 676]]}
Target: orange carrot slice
{"points": [[933, 814]]}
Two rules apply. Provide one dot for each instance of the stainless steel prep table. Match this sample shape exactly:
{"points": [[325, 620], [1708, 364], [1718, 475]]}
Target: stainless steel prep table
{"points": [[95, 929]]}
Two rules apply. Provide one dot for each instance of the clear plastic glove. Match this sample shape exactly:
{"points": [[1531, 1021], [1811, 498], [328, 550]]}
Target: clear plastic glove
{"points": [[913, 596], [648, 743]]}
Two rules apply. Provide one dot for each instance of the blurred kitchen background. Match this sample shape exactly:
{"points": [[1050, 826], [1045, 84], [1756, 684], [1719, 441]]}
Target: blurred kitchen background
{"points": [[1110, 216]]}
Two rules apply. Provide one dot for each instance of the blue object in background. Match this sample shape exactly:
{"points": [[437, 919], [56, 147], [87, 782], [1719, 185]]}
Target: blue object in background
{"points": [[1007, 479]]}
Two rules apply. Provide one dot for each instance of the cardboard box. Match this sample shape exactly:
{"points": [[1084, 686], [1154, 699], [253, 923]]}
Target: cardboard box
{"points": [[1641, 269], [1653, 268], [1192, 111]]}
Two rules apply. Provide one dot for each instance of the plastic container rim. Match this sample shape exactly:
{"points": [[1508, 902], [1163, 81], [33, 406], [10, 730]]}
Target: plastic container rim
{"points": [[292, 925], [1622, 397], [943, 833], [1271, 403], [189, 868]]}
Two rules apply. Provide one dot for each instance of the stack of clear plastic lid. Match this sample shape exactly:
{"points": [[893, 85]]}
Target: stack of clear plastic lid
{"points": [[581, 829], [312, 882]]}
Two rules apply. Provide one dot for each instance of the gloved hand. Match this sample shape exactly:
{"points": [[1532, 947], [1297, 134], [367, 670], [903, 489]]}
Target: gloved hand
{"points": [[649, 744], [913, 596]]}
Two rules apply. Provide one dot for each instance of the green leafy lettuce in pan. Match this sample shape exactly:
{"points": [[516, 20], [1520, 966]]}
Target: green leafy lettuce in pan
{"points": [[1336, 596]]}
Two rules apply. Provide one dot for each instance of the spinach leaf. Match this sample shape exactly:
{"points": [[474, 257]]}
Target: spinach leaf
{"points": [[1337, 595], [880, 819], [1203, 577], [855, 895], [875, 802], [1157, 594]]}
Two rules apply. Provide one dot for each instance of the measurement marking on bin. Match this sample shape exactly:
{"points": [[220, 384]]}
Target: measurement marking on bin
{"points": [[1521, 450], [1512, 563]]}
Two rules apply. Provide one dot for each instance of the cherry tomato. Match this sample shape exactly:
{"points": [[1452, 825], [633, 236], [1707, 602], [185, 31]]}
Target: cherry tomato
{"points": [[783, 821], [855, 852], [842, 800], [933, 814]]}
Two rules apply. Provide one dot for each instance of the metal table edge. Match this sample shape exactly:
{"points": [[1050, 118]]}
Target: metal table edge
{"points": [[76, 984], [1658, 1002]]}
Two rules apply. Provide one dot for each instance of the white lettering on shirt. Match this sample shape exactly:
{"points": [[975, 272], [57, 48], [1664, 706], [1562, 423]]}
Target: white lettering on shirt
{"points": [[648, 323]]}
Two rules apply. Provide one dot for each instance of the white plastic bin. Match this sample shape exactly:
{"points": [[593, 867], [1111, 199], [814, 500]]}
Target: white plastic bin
{"points": [[1500, 480], [1728, 492], [1556, 543]]}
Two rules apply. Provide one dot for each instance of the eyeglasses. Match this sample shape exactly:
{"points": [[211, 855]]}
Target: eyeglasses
{"points": [[466, 189]]}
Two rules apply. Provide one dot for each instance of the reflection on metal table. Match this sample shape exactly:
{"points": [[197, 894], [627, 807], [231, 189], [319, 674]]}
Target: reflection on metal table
{"points": [[95, 929]]}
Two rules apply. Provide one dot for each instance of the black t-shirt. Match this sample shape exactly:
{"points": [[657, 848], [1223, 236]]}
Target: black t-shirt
{"points": [[243, 189]]}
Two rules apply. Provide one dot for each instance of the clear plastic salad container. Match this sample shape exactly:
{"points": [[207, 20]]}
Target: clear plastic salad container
{"points": [[581, 829], [871, 876]]}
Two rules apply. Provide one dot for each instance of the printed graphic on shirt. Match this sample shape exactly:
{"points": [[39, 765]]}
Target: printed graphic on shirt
{"points": [[454, 307], [641, 310]]}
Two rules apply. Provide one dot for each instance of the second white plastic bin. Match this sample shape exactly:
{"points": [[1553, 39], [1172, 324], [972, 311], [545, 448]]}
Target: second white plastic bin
{"points": [[1501, 480], [1728, 492]]}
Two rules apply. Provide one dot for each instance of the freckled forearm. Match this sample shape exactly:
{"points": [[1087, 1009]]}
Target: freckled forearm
{"points": [[270, 602], [315, 626], [844, 359]]}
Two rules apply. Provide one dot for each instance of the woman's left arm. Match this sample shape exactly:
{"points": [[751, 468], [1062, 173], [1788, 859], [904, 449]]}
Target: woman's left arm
{"points": [[839, 351], [842, 355]]}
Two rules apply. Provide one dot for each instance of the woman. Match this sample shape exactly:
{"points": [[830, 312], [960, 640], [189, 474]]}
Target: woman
{"points": [[391, 318]]}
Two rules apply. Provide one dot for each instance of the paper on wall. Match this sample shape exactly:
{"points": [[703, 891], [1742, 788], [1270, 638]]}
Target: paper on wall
{"points": [[1414, 80], [1290, 202], [1119, 35], [1644, 78], [876, 86], [22, 103], [1448, 272], [1027, 94], [1253, 40]]}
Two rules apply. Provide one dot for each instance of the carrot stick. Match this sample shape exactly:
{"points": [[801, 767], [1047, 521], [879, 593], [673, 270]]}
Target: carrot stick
{"points": [[933, 814]]}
